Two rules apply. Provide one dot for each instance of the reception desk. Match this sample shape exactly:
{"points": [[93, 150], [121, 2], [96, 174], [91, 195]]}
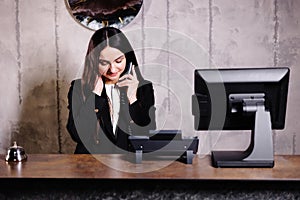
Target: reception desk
{"points": [[61, 176], [64, 166]]}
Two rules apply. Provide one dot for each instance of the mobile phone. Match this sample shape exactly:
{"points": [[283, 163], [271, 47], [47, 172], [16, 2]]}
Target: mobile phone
{"points": [[130, 68], [128, 72]]}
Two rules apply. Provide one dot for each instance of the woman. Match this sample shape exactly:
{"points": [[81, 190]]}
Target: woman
{"points": [[112, 100]]}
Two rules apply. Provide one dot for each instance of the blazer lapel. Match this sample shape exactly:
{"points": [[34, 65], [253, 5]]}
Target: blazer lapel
{"points": [[106, 119]]}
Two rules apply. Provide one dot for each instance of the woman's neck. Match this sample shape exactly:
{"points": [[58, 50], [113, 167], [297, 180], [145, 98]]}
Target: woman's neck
{"points": [[110, 82]]}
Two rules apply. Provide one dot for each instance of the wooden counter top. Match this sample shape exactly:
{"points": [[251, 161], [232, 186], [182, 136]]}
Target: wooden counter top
{"points": [[65, 166]]}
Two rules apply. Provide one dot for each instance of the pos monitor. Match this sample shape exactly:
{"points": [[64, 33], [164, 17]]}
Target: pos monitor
{"points": [[242, 99]]}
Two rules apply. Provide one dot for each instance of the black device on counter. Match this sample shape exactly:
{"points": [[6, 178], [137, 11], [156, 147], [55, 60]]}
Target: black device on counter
{"points": [[164, 143]]}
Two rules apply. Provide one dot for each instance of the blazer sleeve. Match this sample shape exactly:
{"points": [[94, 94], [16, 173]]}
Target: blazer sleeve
{"points": [[142, 111], [82, 113]]}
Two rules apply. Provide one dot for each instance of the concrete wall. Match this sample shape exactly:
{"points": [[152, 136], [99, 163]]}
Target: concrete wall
{"points": [[42, 49]]}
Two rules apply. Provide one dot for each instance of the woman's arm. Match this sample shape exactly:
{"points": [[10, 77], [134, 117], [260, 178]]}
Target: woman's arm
{"points": [[82, 113], [142, 111]]}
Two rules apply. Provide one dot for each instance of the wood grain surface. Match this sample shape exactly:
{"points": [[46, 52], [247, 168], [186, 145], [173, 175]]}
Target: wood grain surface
{"points": [[68, 166]]}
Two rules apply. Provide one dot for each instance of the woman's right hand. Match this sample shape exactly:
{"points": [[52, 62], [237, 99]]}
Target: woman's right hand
{"points": [[98, 86]]}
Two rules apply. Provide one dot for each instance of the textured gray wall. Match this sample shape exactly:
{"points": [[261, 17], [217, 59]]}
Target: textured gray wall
{"points": [[42, 49]]}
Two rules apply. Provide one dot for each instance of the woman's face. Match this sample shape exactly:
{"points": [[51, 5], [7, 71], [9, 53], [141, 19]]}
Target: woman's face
{"points": [[112, 63]]}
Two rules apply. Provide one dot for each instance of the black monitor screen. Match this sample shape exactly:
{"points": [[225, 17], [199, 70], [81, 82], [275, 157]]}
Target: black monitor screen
{"points": [[214, 89]]}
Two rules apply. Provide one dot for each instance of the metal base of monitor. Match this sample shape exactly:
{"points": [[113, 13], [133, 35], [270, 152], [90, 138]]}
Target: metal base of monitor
{"points": [[260, 151], [235, 159]]}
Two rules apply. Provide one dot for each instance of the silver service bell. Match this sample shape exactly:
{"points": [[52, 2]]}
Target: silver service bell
{"points": [[16, 153]]}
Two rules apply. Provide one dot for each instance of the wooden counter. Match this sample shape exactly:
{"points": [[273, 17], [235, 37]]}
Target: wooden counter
{"points": [[64, 166]]}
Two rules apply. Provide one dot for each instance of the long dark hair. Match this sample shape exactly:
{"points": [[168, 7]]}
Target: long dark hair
{"points": [[107, 36]]}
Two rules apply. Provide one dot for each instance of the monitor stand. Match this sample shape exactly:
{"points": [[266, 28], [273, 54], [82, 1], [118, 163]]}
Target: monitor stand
{"points": [[260, 151]]}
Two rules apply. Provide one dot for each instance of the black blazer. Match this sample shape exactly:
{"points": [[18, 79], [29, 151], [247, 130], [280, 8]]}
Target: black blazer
{"points": [[89, 122]]}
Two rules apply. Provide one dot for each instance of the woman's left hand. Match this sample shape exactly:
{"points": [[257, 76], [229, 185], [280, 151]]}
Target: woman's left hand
{"points": [[132, 83]]}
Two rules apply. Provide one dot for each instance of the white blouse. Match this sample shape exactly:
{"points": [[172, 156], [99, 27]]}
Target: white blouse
{"points": [[113, 94]]}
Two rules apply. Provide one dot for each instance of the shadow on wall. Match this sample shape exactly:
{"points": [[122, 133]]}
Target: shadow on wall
{"points": [[37, 130]]}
